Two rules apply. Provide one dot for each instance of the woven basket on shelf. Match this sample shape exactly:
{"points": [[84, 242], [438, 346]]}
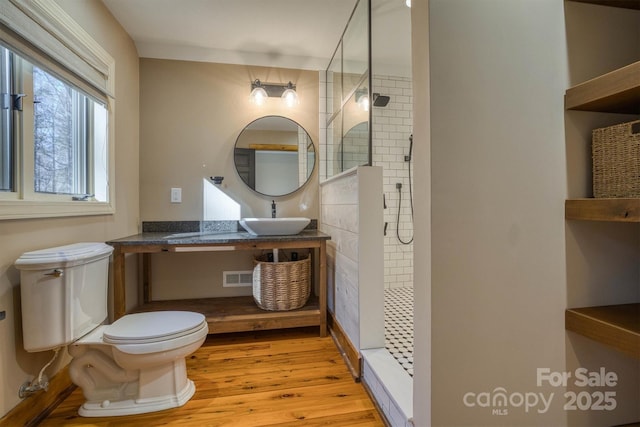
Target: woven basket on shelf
{"points": [[616, 160], [281, 286]]}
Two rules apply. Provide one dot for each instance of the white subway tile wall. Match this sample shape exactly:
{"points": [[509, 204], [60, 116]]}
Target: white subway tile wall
{"points": [[392, 128]]}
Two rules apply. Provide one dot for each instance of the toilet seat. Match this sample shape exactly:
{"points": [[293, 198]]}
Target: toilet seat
{"points": [[150, 332], [154, 326]]}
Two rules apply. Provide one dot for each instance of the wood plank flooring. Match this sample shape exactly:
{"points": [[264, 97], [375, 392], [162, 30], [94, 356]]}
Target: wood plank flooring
{"points": [[267, 378]]}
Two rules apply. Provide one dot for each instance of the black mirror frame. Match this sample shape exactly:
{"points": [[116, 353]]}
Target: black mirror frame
{"points": [[235, 162]]}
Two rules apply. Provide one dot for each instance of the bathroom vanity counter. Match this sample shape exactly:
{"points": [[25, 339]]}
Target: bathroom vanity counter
{"points": [[227, 314], [213, 238]]}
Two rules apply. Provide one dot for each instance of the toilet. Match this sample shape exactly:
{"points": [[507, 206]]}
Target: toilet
{"points": [[133, 366]]}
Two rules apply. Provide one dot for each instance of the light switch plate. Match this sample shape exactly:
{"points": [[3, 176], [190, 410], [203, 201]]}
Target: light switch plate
{"points": [[176, 195]]}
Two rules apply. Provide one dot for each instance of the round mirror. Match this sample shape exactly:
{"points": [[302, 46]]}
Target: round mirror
{"points": [[354, 149], [274, 156]]}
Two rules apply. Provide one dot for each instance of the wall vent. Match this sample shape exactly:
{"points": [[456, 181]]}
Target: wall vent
{"points": [[236, 279]]}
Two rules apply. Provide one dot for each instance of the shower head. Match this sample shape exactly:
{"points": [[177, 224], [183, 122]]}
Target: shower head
{"points": [[380, 100]]}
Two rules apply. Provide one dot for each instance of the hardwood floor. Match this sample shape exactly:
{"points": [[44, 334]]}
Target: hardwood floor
{"points": [[267, 378]]}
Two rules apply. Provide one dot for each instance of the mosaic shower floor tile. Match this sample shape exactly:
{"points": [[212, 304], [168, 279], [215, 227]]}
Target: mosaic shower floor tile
{"points": [[398, 325]]}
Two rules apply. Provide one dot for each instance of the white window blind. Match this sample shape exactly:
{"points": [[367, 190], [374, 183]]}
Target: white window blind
{"points": [[43, 23], [57, 156]]}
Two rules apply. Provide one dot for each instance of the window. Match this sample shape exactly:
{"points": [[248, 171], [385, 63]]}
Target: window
{"points": [[6, 145], [67, 135], [69, 127], [56, 145]]}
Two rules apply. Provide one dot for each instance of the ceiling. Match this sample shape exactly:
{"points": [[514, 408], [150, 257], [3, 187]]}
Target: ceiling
{"points": [[299, 34]]}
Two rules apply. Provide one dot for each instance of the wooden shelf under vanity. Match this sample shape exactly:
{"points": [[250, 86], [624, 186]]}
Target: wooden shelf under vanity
{"points": [[239, 314], [617, 326]]}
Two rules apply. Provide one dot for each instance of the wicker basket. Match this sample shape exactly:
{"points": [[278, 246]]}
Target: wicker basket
{"points": [[281, 286], [616, 160]]}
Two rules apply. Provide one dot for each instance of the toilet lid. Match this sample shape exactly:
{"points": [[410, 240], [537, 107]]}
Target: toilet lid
{"points": [[152, 326], [63, 256]]}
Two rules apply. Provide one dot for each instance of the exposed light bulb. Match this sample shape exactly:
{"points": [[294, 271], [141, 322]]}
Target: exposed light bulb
{"points": [[258, 95], [408, 3], [363, 102], [290, 96]]}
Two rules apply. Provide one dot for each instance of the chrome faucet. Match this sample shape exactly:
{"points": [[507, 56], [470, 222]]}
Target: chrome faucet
{"points": [[273, 209]]}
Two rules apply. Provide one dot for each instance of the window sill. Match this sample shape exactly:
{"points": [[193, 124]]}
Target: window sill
{"points": [[27, 209]]}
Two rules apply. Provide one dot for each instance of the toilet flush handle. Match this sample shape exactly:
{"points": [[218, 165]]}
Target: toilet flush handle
{"points": [[55, 273]]}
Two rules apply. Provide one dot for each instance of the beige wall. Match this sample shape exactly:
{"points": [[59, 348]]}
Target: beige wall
{"points": [[497, 147], [191, 114], [18, 236], [503, 270]]}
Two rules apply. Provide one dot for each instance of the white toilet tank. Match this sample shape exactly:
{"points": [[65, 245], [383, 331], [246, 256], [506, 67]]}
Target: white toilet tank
{"points": [[64, 293]]}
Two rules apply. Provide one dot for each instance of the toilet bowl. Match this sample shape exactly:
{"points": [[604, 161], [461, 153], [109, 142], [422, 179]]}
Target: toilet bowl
{"points": [[137, 364], [133, 366]]}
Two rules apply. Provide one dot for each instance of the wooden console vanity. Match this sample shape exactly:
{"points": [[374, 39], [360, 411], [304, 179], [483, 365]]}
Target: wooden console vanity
{"points": [[227, 314]]}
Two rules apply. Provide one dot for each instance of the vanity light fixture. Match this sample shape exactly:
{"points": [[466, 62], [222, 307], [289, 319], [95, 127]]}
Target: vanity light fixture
{"points": [[258, 93], [290, 96], [408, 3], [261, 91]]}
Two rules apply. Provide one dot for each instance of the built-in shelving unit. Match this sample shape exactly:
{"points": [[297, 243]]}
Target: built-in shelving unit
{"points": [[614, 92], [614, 325], [616, 210], [618, 91], [627, 4]]}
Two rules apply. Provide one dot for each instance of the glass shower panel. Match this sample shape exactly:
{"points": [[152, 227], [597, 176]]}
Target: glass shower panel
{"points": [[334, 141], [334, 84], [355, 47], [355, 141], [348, 137]]}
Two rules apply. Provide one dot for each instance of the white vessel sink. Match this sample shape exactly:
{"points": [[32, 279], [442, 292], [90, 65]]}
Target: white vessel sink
{"points": [[274, 226]]}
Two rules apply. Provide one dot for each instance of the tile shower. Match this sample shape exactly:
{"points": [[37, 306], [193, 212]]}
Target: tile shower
{"points": [[391, 126], [398, 325], [391, 130]]}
